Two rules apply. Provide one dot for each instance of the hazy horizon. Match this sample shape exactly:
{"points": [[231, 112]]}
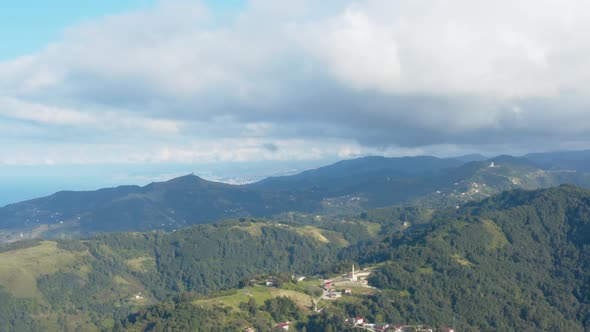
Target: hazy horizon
{"points": [[24, 182]]}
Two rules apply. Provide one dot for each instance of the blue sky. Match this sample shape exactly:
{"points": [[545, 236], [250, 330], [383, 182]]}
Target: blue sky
{"points": [[29, 25], [299, 82]]}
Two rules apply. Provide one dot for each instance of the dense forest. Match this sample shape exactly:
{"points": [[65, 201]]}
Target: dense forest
{"points": [[180, 315], [16, 314], [520, 260], [516, 261], [95, 282]]}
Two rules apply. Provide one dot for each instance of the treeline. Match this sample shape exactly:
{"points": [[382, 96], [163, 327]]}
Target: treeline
{"points": [[518, 261], [201, 259], [28, 243], [207, 258], [15, 314], [179, 314]]}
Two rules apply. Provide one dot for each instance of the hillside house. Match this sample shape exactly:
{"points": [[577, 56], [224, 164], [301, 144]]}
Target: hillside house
{"points": [[282, 327], [358, 321], [298, 278], [447, 329]]}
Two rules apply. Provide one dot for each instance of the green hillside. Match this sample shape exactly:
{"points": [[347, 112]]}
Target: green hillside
{"points": [[92, 284], [519, 260], [478, 180]]}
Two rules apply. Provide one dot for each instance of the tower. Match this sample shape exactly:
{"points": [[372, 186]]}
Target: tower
{"points": [[353, 275]]}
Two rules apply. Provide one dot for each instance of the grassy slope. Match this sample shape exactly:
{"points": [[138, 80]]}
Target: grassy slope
{"points": [[258, 293], [19, 269]]}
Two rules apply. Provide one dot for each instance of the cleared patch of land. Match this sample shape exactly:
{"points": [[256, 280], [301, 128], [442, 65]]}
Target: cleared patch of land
{"points": [[312, 232], [372, 228], [235, 297], [253, 229], [461, 260], [302, 300], [19, 269], [142, 264], [258, 293], [498, 238]]}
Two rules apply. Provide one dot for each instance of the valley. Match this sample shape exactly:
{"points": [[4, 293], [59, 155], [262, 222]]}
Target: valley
{"points": [[453, 256]]}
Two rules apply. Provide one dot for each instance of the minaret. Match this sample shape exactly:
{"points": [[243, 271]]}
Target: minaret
{"points": [[353, 276]]}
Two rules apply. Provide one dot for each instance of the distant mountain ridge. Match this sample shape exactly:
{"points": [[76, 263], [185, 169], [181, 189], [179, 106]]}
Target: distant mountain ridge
{"points": [[362, 167], [172, 204], [571, 160], [471, 157], [349, 185]]}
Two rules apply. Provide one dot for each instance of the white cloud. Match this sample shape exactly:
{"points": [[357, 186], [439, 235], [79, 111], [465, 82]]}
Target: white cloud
{"points": [[501, 48], [357, 50], [15, 109], [505, 48], [176, 82]]}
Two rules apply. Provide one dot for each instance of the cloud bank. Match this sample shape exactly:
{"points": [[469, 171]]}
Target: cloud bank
{"points": [[285, 80]]}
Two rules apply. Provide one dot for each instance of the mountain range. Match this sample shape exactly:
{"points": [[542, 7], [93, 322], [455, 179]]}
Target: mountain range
{"points": [[346, 186]]}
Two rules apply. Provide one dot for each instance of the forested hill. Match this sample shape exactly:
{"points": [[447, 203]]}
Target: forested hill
{"points": [[344, 187], [192, 200], [571, 160], [87, 285], [166, 205], [517, 261], [349, 173]]}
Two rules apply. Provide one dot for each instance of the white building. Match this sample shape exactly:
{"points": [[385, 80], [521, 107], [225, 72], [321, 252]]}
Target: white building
{"points": [[353, 275]]}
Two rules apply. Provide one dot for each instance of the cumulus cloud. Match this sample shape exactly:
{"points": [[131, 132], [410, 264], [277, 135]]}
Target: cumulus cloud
{"points": [[179, 82], [50, 115], [357, 50], [16, 109]]}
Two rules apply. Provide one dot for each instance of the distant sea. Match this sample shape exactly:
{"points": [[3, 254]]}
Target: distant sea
{"points": [[19, 183]]}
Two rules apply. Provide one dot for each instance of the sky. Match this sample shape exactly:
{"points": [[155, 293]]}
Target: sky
{"points": [[186, 82]]}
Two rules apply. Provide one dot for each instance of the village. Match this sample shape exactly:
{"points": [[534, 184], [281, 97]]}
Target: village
{"points": [[340, 286]]}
